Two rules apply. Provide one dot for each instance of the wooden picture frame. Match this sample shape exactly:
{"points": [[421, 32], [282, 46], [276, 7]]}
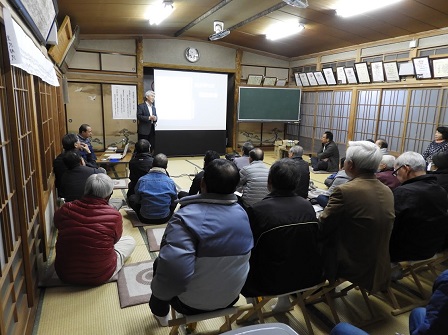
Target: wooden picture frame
{"points": [[422, 68], [39, 15], [362, 71], [269, 81], [254, 79]]}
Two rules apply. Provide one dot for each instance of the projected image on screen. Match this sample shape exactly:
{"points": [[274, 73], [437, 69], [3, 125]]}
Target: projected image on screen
{"points": [[190, 100]]}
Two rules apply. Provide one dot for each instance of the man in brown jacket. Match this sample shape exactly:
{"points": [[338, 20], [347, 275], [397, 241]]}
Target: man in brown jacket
{"points": [[356, 225]]}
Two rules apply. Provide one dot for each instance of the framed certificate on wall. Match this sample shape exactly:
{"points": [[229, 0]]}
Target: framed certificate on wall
{"points": [[320, 78], [304, 79], [329, 75], [440, 67], [377, 72], [342, 78], [391, 71], [363, 73], [351, 76], [269, 81], [297, 78], [422, 68], [311, 78], [254, 79]]}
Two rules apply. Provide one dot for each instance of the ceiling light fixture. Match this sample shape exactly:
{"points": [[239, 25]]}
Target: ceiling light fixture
{"points": [[349, 8], [158, 13], [297, 3], [283, 30]]}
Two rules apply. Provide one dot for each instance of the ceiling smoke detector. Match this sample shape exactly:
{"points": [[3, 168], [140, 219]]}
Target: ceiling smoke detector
{"points": [[297, 3], [218, 28]]}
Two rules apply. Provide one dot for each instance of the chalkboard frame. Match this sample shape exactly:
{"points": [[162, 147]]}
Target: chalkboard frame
{"points": [[272, 104]]}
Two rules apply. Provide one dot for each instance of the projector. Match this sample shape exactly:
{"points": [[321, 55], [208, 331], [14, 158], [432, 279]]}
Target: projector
{"points": [[218, 36], [297, 3]]}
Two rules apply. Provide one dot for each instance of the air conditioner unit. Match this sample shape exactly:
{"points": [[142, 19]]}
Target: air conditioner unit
{"points": [[218, 36], [297, 3]]}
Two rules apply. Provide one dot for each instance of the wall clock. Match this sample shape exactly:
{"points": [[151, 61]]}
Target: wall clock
{"points": [[192, 54]]}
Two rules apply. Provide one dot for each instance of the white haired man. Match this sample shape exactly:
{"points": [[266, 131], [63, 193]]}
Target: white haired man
{"points": [[421, 221], [355, 234], [147, 119], [90, 249]]}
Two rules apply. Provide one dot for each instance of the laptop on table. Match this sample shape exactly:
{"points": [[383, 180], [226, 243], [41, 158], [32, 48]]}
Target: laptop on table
{"points": [[120, 156]]}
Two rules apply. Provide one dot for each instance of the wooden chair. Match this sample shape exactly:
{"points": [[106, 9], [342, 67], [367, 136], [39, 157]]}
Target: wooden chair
{"points": [[415, 298]]}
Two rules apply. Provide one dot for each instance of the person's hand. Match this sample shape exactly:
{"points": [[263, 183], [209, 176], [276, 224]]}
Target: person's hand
{"points": [[85, 147]]}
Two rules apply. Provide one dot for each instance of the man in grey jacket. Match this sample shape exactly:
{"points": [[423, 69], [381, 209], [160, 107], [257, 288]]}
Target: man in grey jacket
{"points": [[254, 179], [204, 255]]}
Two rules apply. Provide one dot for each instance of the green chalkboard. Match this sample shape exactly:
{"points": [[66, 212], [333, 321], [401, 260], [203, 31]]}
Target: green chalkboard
{"points": [[269, 104]]}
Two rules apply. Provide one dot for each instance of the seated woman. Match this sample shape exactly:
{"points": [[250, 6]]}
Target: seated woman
{"points": [[439, 144]]}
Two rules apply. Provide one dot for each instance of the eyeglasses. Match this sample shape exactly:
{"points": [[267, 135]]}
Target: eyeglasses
{"points": [[394, 172]]}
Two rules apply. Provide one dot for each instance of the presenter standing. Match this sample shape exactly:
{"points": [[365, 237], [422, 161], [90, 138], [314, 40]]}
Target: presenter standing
{"points": [[147, 119]]}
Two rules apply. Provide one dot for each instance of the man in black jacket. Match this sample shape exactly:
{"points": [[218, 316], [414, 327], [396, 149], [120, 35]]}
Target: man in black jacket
{"points": [[139, 165], [295, 153], [328, 157], [421, 221]]}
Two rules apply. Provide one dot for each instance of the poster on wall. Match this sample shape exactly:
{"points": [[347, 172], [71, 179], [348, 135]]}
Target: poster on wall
{"points": [[124, 102], [304, 79], [351, 76], [391, 71], [329, 76], [363, 73], [377, 72]]}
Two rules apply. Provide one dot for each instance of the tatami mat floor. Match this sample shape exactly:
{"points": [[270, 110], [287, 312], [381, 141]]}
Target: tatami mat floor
{"points": [[96, 310]]}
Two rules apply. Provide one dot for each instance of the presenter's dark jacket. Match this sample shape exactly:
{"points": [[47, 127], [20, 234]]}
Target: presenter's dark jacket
{"points": [[145, 126], [330, 152]]}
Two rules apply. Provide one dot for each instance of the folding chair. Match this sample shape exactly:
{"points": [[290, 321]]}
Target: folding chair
{"points": [[285, 260], [416, 298]]}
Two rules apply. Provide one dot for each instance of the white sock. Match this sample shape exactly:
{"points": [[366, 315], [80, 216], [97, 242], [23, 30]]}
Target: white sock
{"points": [[283, 304], [163, 320]]}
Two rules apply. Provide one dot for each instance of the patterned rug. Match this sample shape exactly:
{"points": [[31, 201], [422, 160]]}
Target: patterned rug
{"points": [[134, 283], [154, 238]]}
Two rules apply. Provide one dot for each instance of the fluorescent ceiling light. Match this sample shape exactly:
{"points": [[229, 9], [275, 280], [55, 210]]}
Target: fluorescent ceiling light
{"points": [[282, 30], [347, 8], [158, 13]]}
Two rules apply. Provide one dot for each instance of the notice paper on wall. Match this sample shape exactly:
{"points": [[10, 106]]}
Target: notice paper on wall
{"points": [[124, 102]]}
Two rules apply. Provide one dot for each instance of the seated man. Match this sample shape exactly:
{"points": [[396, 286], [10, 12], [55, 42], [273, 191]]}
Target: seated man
{"points": [[421, 221], [295, 153], [69, 142], [281, 270], [339, 179], [204, 254], [195, 187], [242, 161], [432, 320], [354, 232], [254, 179], [86, 148], [440, 168], [139, 165], [328, 157], [155, 194], [385, 170], [74, 179], [382, 144], [90, 249]]}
